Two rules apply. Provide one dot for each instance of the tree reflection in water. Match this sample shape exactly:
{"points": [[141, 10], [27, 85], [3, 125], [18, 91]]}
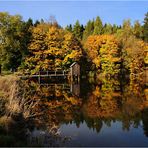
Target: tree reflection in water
{"points": [[95, 104]]}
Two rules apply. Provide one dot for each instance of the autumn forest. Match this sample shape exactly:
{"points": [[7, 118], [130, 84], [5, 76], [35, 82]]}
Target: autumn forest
{"points": [[107, 104], [100, 48]]}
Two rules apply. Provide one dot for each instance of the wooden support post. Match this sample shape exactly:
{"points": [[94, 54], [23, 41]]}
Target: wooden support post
{"points": [[71, 75], [72, 78], [39, 78]]}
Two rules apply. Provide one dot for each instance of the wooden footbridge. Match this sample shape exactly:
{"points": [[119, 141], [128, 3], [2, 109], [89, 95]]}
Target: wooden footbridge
{"points": [[46, 74], [73, 73]]}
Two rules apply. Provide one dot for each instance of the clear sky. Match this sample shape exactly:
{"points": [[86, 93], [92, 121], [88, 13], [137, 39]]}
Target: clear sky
{"points": [[67, 12]]}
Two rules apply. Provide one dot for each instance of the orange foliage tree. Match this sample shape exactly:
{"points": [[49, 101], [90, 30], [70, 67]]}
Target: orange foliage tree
{"points": [[104, 52], [52, 47]]}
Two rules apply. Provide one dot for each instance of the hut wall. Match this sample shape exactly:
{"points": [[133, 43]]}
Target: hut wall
{"points": [[75, 70]]}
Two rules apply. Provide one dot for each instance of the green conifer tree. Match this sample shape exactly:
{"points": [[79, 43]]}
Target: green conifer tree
{"points": [[145, 28], [77, 30], [98, 26], [89, 28]]}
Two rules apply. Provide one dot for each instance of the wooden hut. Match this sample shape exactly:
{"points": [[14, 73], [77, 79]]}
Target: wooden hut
{"points": [[0, 69], [75, 71]]}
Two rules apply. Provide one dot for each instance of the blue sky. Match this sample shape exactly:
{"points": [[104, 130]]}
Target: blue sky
{"points": [[67, 12]]}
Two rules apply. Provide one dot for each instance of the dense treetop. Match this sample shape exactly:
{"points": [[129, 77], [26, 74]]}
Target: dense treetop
{"points": [[104, 48]]}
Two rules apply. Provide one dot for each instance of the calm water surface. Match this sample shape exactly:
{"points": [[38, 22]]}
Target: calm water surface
{"points": [[107, 113]]}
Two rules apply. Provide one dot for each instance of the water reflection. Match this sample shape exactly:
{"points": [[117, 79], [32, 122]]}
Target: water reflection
{"points": [[94, 104]]}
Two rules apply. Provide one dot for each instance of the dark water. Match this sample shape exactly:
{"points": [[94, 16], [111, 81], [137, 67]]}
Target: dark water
{"points": [[90, 113], [104, 113], [112, 135]]}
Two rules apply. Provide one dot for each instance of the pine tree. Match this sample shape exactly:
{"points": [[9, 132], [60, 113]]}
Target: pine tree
{"points": [[115, 28], [69, 28], [36, 23], [89, 28], [77, 30], [98, 26], [107, 29], [145, 28], [82, 31], [137, 29], [26, 37]]}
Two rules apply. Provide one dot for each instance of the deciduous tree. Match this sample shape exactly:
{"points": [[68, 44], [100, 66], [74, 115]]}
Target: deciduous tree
{"points": [[10, 46], [104, 52], [52, 47]]}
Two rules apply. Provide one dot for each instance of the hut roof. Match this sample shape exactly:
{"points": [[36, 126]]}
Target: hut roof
{"points": [[73, 64]]}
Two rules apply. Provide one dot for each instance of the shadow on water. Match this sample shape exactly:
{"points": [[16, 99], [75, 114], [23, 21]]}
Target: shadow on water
{"points": [[100, 111]]}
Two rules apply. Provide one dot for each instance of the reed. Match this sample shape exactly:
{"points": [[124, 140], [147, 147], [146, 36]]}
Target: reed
{"points": [[18, 110], [15, 102]]}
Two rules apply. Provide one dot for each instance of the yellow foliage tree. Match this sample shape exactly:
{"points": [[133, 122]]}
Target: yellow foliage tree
{"points": [[51, 47], [104, 52]]}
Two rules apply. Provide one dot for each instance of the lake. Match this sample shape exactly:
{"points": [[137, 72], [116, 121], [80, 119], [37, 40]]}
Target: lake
{"points": [[90, 113]]}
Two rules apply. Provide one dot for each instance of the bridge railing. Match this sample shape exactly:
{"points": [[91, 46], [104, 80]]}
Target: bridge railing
{"points": [[58, 72]]}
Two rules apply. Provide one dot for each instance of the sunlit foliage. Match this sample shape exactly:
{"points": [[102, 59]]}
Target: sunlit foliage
{"points": [[51, 47], [104, 52], [10, 33], [132, 51]]}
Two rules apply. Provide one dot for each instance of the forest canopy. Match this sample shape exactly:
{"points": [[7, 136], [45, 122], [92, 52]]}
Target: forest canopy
{"points": [[97, 46]]}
